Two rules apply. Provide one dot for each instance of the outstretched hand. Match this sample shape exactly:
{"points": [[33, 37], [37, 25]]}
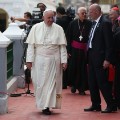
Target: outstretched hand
{"points": [[12, 19]]}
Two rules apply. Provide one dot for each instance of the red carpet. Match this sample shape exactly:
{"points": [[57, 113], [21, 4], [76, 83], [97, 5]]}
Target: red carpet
{"points": [[23, 108]]}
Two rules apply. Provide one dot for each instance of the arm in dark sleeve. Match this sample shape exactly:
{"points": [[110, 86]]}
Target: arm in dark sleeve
{"points": [[69, 38], [108, 37]]}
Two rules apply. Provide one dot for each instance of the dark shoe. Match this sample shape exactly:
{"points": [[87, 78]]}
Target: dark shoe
{"points": [[109, 110], [46, 111], [93, 108], [82, 93], [73, 89]]}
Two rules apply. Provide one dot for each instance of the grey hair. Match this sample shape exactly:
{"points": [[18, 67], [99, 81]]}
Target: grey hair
{"points": [[81, 8]]}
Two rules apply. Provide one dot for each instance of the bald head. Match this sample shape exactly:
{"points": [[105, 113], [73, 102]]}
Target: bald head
{"points": [[48, 17], [96, 7], [94, 11]]}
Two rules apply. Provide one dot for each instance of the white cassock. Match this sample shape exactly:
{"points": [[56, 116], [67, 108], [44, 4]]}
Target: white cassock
{"points": [[47, 51]]}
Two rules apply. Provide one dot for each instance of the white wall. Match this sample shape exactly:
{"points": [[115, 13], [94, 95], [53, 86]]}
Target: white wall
{"points": [[18, 7]]}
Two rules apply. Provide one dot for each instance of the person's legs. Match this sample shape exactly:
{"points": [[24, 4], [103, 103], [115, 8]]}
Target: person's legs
{"points": [[117, 85], [93, 86], [94, 91], [83, 77], [102, 79]]}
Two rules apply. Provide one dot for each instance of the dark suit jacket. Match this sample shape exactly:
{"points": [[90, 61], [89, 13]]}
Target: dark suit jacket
{"points": [[117, 39], [102, 43], [117, 45]]}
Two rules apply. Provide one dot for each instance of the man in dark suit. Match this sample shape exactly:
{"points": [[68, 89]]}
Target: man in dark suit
{"points": [[100, 49]]}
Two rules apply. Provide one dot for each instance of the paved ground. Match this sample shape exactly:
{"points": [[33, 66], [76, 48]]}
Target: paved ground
{"points": [[23, 108]]}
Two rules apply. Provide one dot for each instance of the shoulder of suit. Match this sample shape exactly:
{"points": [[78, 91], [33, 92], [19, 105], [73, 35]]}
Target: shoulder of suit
{"points": [[73, 22], [88, 21], [104, 19], [107, 22]]}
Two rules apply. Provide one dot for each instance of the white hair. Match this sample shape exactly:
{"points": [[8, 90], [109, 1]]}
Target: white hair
{"points": [[81, 8], [47, 10]]}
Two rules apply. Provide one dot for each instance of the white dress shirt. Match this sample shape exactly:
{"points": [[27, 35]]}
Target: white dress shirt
{"points": [[93, 31]]}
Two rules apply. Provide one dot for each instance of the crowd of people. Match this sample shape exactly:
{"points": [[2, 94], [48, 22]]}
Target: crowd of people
{"points": [[75, 52]]}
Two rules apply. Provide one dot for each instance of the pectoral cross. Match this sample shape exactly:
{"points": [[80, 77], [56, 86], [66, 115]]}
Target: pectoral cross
{"points": [[81, 37]]}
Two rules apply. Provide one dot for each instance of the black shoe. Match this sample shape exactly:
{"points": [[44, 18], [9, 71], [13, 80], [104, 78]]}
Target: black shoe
{"points": [[73, 89], [46, 111], [93, 108], [82, 93], [109, 110]]}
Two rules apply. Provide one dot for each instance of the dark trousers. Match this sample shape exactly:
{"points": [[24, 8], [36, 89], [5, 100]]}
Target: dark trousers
{"points": [[65, 82], [117, 84], [98, 80]]}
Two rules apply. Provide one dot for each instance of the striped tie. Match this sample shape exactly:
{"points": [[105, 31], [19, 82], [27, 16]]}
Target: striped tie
{"points": [[91, 33]]}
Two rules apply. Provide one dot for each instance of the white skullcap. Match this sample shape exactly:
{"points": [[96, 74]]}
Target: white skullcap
{"points": [[47, 11]]}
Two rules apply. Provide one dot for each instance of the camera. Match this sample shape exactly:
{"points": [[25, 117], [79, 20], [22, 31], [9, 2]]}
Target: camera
{"points": [[36, 18], [37, 15]]}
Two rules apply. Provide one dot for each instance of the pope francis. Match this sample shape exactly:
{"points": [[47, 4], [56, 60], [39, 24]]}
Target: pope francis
{"points": [[47, 58]]}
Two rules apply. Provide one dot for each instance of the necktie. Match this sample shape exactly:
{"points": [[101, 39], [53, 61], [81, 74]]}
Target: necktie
{"points": [[91, 33]]}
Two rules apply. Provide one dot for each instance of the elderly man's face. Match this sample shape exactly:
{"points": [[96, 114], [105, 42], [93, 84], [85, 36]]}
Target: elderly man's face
{"points": [[82, 14], [113, 15], [49, 18]]}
